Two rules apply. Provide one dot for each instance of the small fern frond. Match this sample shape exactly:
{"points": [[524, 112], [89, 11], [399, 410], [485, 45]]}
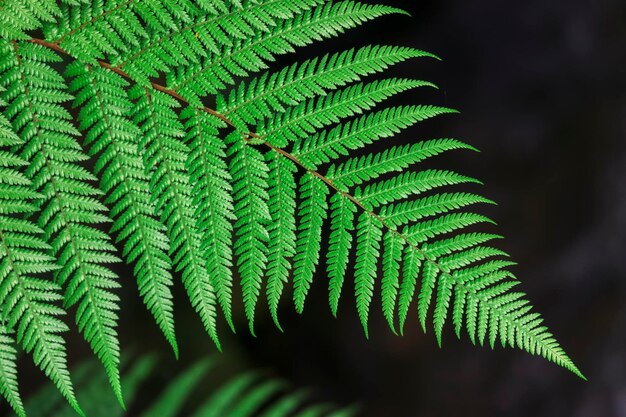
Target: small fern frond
{"points": [[205, 37], [412, 264], [213, 201], [328, 146], [8, 372], [406, 185], [20, 16], [313, 209], [358, 170], [250, 176], [393, 246], [249, 55], [269, 93], [165, 156], [299, 121], [27, 302], [112, 138], [369, 236], [70, 209], [282, 228], [340, 243], [102, 30]]}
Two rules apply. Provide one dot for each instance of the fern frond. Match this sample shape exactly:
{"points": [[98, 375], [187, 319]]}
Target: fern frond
{"points": [[28, 303], [406, 185], [270, 93], [20, 16], [411, 211], [313, 208], [282, 228], [196, 189], [106, 29], [8, 372], [431, 228], [369, 235], [165, 156], [412, 264], [250, 176], [70, 210], [299, 121], [339, 245], [250, 55], [205, 36], [358, 170], [213, 201], [393, 246], [112, 138], [328, 146]]}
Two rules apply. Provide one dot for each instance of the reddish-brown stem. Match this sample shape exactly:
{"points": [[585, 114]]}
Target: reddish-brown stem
{"points": [[293, 158]]}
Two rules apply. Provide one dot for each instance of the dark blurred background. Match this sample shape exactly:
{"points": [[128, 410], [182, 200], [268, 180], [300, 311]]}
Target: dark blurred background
{"points": [[541, 87]]}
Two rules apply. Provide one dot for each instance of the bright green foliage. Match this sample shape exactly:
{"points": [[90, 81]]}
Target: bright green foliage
{"points": [[392, 255], [270, 93], [361, 169], [248, 55], [299, 121], [235, 198], [113, 138], [19, 16], [410, 272], [28, 300], [8, 371], [70, 207], [356, 134], [165, 157], [250, 176], [249, 394], [282, 228], [213, 201], [339, 245], [369, 235], [312, 210]]}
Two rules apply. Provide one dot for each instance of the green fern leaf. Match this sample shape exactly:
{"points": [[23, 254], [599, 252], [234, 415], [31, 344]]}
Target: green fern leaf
{"points": [[8, 372], [182, 178], [356, 171], [70, 210], [410, 211], [429, 280], [281, 230], [369, 235], [340, 243], [444, 294], [365, 130], [431, 228], [393, 246], [165, 156], [212, 198], [412, 263], [112, 137], [268, 93], [406, 185], [250, 175], [20, 16], [249, 55], [211, 30], [28, 303], [300, 121], [313, 210]]}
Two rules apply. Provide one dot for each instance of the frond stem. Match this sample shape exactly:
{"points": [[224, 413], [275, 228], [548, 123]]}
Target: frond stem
{"points": [[261, 139]]}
